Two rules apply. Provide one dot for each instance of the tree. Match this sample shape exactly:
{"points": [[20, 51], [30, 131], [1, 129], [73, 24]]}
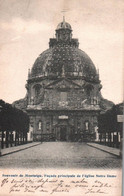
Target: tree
{"points": [[13, 119]]}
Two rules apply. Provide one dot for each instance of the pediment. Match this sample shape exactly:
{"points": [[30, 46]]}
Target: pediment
{"points": [[63, 84]]}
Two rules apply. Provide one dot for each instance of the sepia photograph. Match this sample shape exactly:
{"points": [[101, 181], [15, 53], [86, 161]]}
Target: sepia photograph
{"points": [[61, 84]]}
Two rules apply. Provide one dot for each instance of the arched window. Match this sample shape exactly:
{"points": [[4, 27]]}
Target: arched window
{"points": [[37, 88], [89, 88]]}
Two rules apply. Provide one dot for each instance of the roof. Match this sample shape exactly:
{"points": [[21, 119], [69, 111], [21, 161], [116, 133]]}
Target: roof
{"points": [[64, 57], [74, 60]]}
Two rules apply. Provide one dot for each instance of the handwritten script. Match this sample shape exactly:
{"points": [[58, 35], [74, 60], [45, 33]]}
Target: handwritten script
{"points": [[55, 185]]}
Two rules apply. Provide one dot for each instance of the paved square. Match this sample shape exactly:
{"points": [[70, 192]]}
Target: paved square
{"points": [[60, 155]]}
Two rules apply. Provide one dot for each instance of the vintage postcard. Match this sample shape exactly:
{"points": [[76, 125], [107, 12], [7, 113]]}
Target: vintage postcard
{"points": [[61, 97]]}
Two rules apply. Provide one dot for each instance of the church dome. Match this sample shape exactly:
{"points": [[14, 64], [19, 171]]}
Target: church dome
{"points": [[64, 54], [74, 60]]}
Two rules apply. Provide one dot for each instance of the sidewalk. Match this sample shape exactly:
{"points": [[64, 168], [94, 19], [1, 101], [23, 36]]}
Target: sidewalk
{"points": [[10, 150], [113, 151]]}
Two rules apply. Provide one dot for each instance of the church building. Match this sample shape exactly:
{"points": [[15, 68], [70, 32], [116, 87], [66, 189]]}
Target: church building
{"points": [[63, 91]]}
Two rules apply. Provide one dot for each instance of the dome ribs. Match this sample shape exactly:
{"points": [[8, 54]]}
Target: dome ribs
{"points": [[76, 62]]}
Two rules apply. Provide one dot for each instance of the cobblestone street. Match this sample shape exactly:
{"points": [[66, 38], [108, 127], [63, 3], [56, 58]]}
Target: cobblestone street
{"points": [[60, 155]]}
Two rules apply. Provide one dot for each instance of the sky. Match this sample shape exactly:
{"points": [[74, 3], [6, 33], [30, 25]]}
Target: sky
{"points": [[27, 25]]}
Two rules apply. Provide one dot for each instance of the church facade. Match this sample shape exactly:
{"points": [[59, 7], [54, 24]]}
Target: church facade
{"points": [[63, 91]]}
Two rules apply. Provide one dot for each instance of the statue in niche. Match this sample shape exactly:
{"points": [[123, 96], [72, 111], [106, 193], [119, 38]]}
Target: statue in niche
{"points": [[87, 126], [39, 125]]}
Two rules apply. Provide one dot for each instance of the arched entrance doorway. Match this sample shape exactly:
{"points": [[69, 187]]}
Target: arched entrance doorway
{"points": [[63, 132]]}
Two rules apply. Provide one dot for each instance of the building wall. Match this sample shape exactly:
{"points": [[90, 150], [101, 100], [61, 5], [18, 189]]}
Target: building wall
{"points": [[77, 102], [51, 97], [78, 125]]}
